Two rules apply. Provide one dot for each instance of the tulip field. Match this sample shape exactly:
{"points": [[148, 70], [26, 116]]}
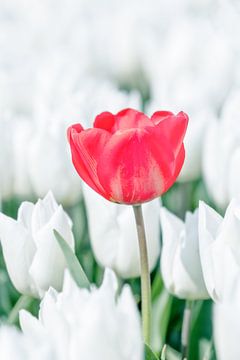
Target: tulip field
{"points": [[119, 180]]}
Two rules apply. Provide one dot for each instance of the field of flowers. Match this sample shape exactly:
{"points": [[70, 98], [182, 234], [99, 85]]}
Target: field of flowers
{"points": [[119, 180]]}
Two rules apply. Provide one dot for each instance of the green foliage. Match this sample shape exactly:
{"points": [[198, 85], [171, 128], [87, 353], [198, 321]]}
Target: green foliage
{"points": [[73, 264], [149, 354]]}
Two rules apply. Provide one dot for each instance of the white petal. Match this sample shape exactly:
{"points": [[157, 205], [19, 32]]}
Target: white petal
{"points": [[43, 211], [48, 265], [209, 225], [18, 251]]}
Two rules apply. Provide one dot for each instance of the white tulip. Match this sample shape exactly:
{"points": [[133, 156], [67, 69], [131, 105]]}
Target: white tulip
{"points": [[82, 324], [221, 154], [219, 244], [50, 166], [16, 346], [180, 260], [113, 233], [226, 327], [33, 258]]}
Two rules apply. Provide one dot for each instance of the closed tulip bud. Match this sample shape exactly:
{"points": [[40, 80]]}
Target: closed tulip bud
{"points": [[180, 260], [33, 258], [129, 158], [82, 324], [113, 233], [219, 249]]}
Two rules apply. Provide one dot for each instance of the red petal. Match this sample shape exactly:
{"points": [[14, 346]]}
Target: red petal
{"points": [[178, 167], [160, 115], [86, 148], [105, 121], [173, 128], [136, 165], [74, 128], [130, 119]]}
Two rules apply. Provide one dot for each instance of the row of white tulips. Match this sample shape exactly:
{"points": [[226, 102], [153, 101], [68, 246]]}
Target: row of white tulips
{"points": [[199, 260]]}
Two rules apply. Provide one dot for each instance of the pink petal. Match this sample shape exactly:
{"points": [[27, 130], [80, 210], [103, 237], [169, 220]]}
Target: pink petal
{"points": [[105, 121], [135, 165], [173, 128], [130, 119], [86, 147]]}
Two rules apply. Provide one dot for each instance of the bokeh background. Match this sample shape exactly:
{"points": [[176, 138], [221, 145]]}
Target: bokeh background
{"points": [[65, 61]]}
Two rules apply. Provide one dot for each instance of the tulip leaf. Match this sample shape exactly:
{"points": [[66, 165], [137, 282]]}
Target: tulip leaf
{"points": [[161, 310], [73, 264], [23, 302], [149, 354], [169, 354]]}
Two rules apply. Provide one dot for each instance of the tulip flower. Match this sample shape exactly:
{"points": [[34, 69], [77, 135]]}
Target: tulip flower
{"points": [[33, 258], [219, 249], [226, 327], [15, 345], [82, 324], [129, 158], [221, 154], [113, 233], [180, 260]]}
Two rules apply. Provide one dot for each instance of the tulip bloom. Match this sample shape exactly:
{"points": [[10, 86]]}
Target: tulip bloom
{"points": [[180, 260], [111, 226], [82, 324], [130, 158], [33, 258]]}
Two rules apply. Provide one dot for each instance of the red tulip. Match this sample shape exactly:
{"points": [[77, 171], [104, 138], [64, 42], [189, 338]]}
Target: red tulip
{"points": [[130, 158]]}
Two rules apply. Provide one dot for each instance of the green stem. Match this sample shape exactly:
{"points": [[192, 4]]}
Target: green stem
{"points": [[186, 326], [23, 303], [145, 275]]}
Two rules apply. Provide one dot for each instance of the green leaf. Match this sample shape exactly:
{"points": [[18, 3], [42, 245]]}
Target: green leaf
{"points": [[161, 310], [23, 302], [170, 354], [149, 354], [73, 264]]}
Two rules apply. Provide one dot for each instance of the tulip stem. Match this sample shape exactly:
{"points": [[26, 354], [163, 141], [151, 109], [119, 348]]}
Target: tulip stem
{"points": [[145, 274], [186, 325]]}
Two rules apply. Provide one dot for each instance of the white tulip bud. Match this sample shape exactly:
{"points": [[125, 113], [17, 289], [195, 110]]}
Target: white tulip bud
{"points": [[33, 257], [113, 233], [180, 260]]}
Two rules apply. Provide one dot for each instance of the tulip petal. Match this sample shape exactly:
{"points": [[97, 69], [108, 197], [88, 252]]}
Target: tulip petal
{"points": [[139, 164], [130, 119], [178, 167], [86, 148], [105, 121], [173, 127], [18, 251], [49, 263]]}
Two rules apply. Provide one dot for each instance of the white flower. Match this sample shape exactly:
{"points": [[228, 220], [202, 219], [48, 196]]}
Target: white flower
{"points": [[113, 233], [180, 260], [88, 324], [219, 244], [50, 166], [15, 346], [226, 327], [33, 258], [221, 154]]}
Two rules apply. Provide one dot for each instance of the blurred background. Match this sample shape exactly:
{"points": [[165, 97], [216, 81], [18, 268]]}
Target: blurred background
{"points": [[65, 61]]}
